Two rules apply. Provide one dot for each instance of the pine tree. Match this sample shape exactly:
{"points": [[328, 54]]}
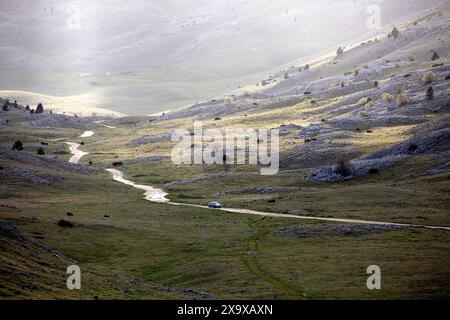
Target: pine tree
{"points": [[340, 51], [430, 94], [395, 33], [40, 108], [435, 56], [17, 145]]}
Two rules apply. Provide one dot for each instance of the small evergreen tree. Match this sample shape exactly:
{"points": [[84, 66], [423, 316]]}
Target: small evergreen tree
{"points": [[17, 145], [41, 151], [395, 33], [340, 51], [430, 94], [27, 108], [5, 107], [343, 168], [435, 56], [376, 84], [307, 67], [32, 111], [40, 108]]}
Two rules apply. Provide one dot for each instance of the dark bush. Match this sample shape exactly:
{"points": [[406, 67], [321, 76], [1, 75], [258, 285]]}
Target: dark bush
{"points": [[41, 151], [18, 145], [65, 224], [70, 214], [413, 148], [117, 163], [373, 170]]}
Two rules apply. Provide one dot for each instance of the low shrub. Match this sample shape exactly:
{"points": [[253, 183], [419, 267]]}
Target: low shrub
{"points": [[65, 224], [387, 97], [401, 100], [428, 78]]}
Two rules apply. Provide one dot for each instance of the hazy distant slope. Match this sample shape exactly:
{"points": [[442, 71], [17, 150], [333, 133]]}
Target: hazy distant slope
{"points": [[149, 56]]}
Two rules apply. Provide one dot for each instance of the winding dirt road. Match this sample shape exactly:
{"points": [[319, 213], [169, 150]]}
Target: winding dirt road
{"points": [[151, 194], [157, 195], [100, 122], [73, 147], [87, 134], [77, 154]]}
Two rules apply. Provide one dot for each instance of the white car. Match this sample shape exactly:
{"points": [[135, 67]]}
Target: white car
{"points": [[214, 204]]}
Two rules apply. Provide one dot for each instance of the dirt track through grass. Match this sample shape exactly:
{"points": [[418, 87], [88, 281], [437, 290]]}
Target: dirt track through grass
{"points": [[253, 265]]}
